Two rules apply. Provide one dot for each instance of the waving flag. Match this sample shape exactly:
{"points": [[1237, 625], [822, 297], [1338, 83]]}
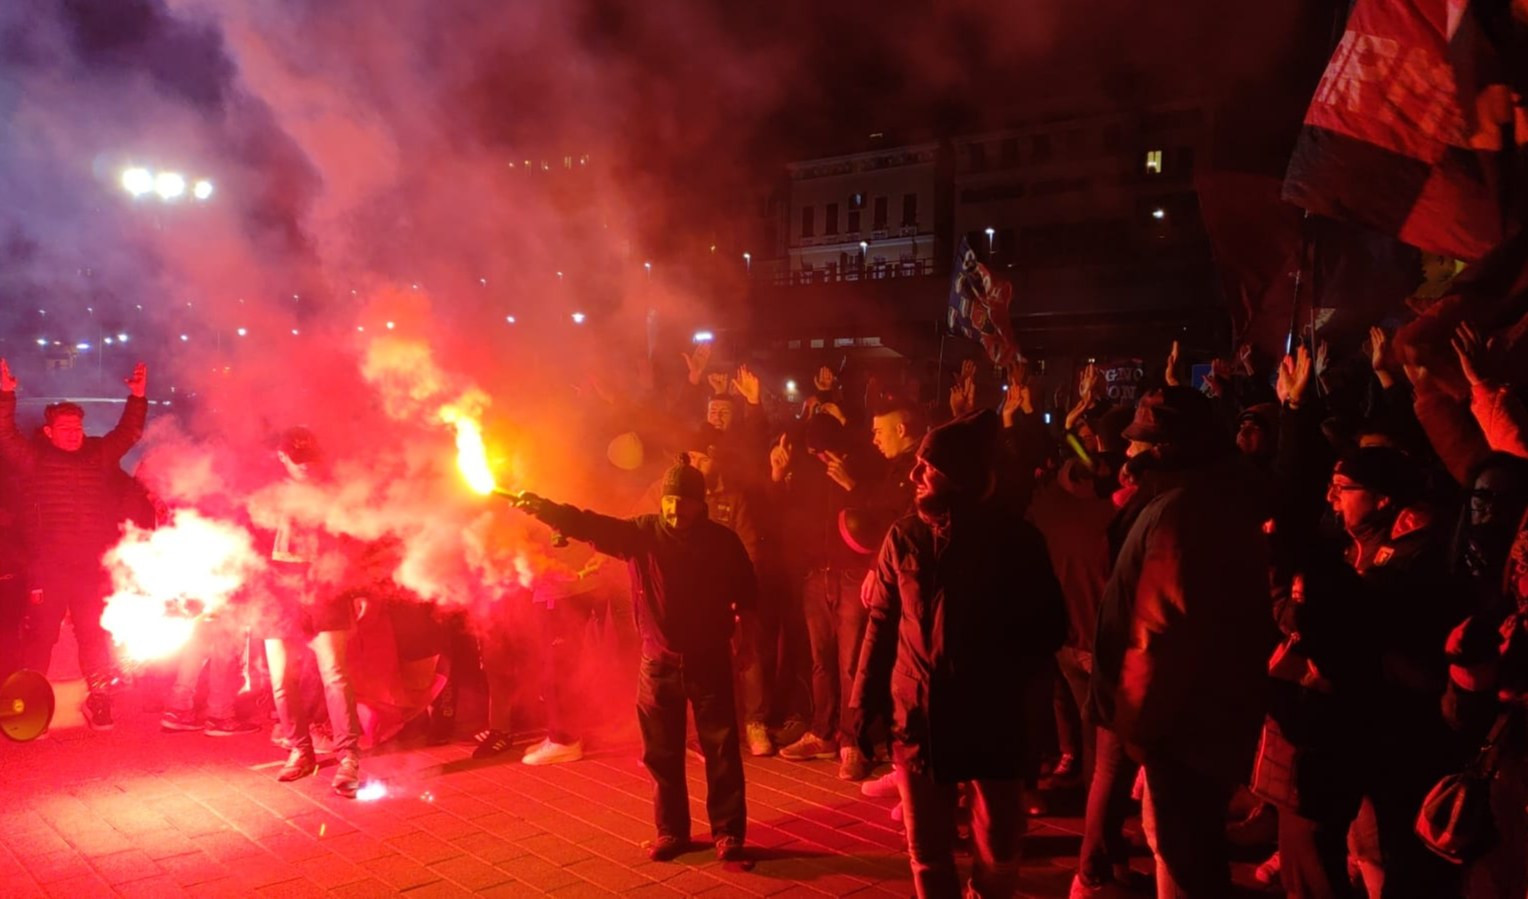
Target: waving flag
{"points": [[978, 307]]}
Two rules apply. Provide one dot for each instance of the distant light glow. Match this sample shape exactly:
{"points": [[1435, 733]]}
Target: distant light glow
{"points": [[389, 326], [202, 189], [295, 332], [704, 337], [82, 346], [42, 341], [107, 341], [790, 386], [185, 337], [122, 338], [578, 318], [242, 331], [137, 181], [169, 185], [991, 232], [510, 319], [1159, 213]]}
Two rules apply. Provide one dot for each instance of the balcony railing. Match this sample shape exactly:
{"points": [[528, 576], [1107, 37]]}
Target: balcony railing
{"points": [[918, 268]]}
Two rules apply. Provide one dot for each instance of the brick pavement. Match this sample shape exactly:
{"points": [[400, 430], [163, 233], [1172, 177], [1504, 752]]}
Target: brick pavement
{"points": [[138, 813]]}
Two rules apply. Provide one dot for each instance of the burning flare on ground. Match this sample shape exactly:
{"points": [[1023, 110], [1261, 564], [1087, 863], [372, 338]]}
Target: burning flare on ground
{"points": [[165, 579]]}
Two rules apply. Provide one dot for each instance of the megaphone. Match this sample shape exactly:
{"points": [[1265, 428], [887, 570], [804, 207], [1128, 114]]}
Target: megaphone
{"points": [[26, 706]]}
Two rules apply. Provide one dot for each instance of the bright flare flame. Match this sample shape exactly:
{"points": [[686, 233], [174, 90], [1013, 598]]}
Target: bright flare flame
{"points": [[471, 456], [164, 579], [371, 791]]}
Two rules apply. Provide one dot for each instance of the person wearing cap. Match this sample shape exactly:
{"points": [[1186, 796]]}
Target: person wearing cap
{"points": [[691, 578], [1184, 632], [1371, 630], [70, 488], [965, 612]]}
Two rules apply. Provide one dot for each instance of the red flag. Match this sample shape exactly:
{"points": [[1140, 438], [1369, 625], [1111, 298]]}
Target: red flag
{"points": [[1413, 124]]}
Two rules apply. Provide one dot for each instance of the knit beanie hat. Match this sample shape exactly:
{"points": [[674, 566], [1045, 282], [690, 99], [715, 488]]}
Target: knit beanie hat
{"points": [[685, 480], [1386, 471], [964, 450]]}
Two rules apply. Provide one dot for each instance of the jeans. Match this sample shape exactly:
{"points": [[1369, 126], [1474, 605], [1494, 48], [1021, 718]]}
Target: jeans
{"points": [[664, 689], [1103, 827], [1184, 817], [79, 591], [329, 650], [997, 833], [216, 644], [835, 622]]}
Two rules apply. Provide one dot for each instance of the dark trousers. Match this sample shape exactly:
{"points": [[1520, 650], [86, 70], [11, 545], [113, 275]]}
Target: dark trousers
{"points": [[1184, 817], [1313, 854], [1104, 846], [80, 592], [997, 833], [835, 623], [664, 689]]}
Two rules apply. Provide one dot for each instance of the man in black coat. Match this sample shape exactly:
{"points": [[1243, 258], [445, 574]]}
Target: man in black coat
{"points": [[964, 612], [71, 497], [690, 577]]}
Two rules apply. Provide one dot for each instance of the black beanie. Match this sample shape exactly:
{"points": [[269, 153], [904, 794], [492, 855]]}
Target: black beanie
{"points": [[1386, 471], [964, 450], [685, 480]]}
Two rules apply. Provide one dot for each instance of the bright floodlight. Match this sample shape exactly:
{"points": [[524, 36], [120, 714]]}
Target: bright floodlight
{"points": [[42, 341], [82, 346], [169, 185], [578, 318], [1159, 214], [704, 337], [122, 337], [242, 332], [202, 189], [790, 386], [137, 181]]}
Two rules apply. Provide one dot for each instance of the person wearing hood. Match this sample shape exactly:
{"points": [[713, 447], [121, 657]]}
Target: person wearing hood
{"points": [[964, 607], [691, 578], [1184, 632]]}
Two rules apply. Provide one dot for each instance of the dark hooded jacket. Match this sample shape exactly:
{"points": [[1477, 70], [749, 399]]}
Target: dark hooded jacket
{"points": [[960, 613], [687, 586]]}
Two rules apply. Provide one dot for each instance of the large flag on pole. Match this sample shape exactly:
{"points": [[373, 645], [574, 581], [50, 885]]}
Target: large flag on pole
{"points": [[978, 307], [1417, 123]]}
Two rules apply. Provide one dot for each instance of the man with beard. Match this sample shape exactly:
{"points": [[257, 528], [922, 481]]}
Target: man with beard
{"points": [[1184, 632], [691, 578], [964, 606]]}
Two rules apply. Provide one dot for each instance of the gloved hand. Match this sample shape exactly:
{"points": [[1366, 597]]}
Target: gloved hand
{"points": [[530, 503]]}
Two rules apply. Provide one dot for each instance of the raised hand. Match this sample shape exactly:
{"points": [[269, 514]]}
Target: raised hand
{"points": [[963, 396], [1171, 375], [780, 459], [7, 380], [1323, 358], [1473, 353], [138, 382], [530, 503], [837, 471], [697, 361], [1089, 385], [747, 385], [1294, 377], [824, 379], [1379, 349], [1244, 359]]}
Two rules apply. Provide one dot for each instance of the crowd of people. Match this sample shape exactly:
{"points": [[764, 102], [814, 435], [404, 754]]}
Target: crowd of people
{"points": [[1297, 594]]}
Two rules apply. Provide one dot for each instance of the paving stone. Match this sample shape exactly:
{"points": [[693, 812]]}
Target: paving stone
{"points": [[537, 873], [123, 867], [471, 873], [424, 848], [555, 849], [400, 872]]}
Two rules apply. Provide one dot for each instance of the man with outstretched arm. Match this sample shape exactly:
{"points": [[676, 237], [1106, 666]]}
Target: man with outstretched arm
{"points": [[691, 578]]}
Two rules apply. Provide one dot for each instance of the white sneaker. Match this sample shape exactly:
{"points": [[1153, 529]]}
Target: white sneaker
{"points": [[548, 753], [757, 737], [883, 787]]}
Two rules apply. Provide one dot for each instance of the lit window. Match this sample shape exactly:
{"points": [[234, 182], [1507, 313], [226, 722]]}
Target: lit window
{"points": [[567, 162], [818, 343], [1154, 162]]}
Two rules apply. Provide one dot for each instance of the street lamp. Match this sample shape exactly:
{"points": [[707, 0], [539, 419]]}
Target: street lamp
{"points": [[649, 267], [169, 185], [991, 233], [748, 262], [137, 181]]}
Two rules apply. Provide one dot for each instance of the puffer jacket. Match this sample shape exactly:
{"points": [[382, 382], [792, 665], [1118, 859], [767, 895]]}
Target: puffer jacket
{"points": [[70, 502]]}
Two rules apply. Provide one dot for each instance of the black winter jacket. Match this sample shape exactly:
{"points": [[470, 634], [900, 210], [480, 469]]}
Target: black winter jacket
{"points": [[71, 502]]}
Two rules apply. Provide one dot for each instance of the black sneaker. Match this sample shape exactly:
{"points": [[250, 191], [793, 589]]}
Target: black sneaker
{"points": [[230, 727], [666, 848], [493, 743], [97, 712], [173, 721], [729, 849]]}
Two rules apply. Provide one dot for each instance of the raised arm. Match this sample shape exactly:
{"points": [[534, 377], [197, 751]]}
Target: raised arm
{"points": [[129, 427], [13, 447], [619, 537]]}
